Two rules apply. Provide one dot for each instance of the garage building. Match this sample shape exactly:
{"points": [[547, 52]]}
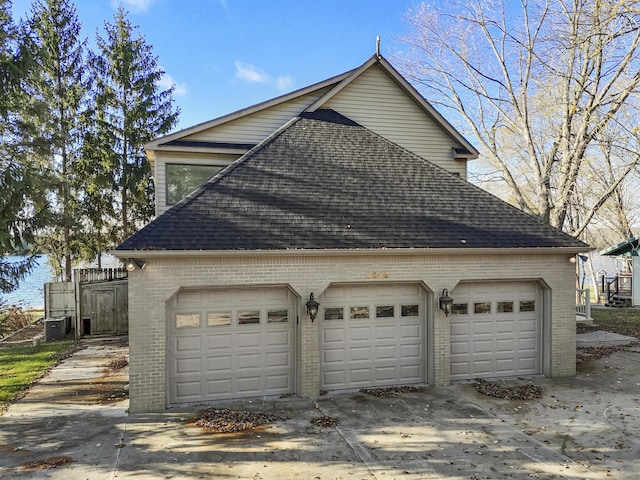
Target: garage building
{"points": [[349, 195]]}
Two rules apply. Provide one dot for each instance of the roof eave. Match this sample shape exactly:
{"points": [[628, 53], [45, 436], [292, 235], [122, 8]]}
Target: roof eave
{"points": [[183, 149], [150, 254], [622, 248]]}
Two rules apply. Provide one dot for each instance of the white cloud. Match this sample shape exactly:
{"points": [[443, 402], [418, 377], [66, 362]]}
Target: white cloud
{"points": [[284, 82], [133, 5], [251, 74], [167, 82]]}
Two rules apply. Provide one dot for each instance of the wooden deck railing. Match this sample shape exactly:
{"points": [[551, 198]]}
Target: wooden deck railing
{"points": [[84, 275], [620, 285]]}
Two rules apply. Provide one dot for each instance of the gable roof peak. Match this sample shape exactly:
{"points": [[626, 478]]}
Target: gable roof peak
{"points": [[378, 60]]}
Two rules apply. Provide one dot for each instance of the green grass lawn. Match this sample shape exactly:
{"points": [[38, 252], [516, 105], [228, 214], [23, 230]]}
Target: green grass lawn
{"points": [[20, 366], [625, 321]]}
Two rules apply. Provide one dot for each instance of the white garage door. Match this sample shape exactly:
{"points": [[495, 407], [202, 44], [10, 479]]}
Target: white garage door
{"points": [[372, 335], [230, 343], [496, 330]]}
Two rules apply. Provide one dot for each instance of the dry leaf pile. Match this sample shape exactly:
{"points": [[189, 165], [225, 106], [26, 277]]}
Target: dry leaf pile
{"points": [[509, 392], [389, 392], [48, 463], [584, 354], [118, 363], [225, 420], [325, 421]]}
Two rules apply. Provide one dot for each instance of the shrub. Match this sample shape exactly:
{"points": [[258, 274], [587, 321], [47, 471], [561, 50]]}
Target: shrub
{"points": [[12, 318]]}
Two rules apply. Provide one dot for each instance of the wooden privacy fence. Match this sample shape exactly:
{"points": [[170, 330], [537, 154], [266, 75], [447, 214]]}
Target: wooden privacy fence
{"points": [[59, 299], [96, 301]]}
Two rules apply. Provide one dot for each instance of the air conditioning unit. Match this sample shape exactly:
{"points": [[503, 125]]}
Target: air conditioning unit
{"points": [[55, 328]]}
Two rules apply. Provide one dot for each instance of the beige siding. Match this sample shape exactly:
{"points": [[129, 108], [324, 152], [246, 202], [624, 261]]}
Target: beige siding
{"points": [[255, 127], [162, 158], [151, 288], [375, 101]]}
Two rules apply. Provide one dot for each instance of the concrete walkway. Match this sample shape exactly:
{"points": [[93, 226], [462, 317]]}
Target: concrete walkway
{"points": [[583, 428], [600, 338]]}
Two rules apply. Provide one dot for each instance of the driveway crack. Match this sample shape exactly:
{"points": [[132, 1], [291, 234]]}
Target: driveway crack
{"points": [[348, 442], [119, 447]]}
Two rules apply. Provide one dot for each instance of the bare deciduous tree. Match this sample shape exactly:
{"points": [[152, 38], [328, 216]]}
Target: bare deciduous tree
{"points": [[619, 151], [537, 84]]}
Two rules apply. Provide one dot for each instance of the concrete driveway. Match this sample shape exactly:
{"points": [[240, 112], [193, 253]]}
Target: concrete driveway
{"points": [[583, 428]]}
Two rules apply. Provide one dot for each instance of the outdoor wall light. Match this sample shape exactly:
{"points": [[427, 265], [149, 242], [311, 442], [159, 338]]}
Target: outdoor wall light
{"points": [[133, 263], [445, 302], [573, 260], [312, 307]]}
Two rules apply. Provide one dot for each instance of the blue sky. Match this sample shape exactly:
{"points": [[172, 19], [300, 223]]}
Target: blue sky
{"points": [[224, 55]]}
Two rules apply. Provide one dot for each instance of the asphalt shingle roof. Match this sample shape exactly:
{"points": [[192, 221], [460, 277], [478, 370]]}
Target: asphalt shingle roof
{"points": [[325, 182]]}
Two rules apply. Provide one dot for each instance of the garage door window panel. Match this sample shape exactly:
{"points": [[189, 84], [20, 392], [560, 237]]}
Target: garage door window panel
{"points": [[410, 310], [359, 313], [482, 307], [527, 306], [249, 318], [504, 307], [278, 316], [187, 320], [385, 311], [334, 313], [216, 319], [460, 309]]}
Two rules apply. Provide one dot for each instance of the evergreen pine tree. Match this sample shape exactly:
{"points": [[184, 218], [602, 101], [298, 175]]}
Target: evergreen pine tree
{"points": [[130, 110], [58, 87], [22, 205]]}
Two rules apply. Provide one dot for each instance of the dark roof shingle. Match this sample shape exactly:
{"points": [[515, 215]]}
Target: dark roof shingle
{"points": [[325, 182]]}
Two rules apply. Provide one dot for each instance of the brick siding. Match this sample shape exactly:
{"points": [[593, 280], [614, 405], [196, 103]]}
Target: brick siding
{"points": [[149, 290]]}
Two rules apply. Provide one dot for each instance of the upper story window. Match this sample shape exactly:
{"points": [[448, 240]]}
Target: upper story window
{"points": [[182, 179]]}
